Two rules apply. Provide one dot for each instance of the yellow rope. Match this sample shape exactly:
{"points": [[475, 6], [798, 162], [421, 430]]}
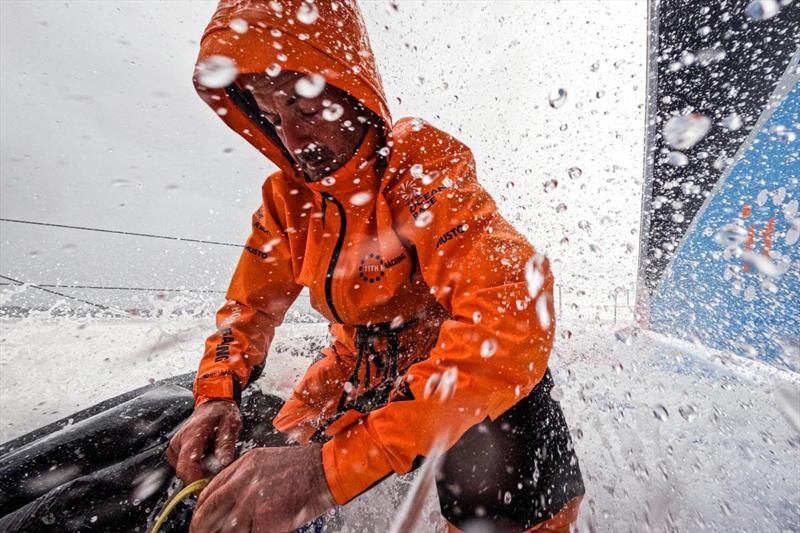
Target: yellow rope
{"points": [[197, 486]]}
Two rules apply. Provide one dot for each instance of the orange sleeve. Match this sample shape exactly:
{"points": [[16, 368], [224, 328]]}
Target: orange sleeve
{"points": [[489, 355], [261, 291]]}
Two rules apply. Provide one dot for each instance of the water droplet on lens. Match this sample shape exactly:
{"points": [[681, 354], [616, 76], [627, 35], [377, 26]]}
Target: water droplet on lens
{"points": [[732, 122], [676, 159], [361, 198], [542, 311], [216, 72], [310, 86], [722, 162], [574, 173], [684, 131], [689, 188], [273, 70], [424, 218], [762, 9], [624, 337], [709, 56], [333, 112], [550, 185], [780, 133], [534, 275], [307, 13], [762, 263], [557, 98], [488, 348], [688, 412], [556, 393], [239, 25]]}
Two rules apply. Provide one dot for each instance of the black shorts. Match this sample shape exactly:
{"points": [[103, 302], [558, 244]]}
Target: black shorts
{"points": [[514, 472]]}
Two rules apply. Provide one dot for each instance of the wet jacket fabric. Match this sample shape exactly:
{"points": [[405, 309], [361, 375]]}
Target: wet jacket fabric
{"points": [[401, 249]]}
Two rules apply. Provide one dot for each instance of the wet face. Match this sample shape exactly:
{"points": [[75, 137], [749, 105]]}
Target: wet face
{"points": [[321, 131]]}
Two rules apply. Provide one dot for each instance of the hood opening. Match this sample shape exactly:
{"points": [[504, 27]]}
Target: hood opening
{"points": [[244, 100]]}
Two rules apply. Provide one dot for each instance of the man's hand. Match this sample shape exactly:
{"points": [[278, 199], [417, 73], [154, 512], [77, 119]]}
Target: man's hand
{"points": [[266, 490], [213, 427]]}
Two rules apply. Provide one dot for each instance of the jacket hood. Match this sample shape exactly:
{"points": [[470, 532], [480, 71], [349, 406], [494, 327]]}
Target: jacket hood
{"points": [[325, 37]]}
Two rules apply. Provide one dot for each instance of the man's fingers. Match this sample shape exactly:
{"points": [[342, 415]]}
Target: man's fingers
{"points": [[172, 454], [189, 466], [218, 481], [173, 448], [239, 520], [225, 444], [214, 505]]}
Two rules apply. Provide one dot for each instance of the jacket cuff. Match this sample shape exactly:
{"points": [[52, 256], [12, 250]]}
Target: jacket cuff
{"points": [[353, 462], [224, 387]]}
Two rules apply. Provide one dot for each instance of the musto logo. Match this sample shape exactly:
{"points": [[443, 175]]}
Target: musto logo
{"points": [[451, 234], [749, 247]]}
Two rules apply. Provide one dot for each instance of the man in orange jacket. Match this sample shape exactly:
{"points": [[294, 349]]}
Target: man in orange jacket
{"points": [[440, 342]]}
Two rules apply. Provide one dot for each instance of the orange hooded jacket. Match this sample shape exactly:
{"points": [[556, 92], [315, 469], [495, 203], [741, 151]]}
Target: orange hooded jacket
{"points": [[401, 249]]}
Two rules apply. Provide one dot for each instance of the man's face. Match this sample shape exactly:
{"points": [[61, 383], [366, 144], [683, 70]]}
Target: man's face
{"points": [[321, 132]]}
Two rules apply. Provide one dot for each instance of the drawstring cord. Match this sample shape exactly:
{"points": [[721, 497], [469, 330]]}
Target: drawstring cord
{"points": [[366, 336], [323, 209]]}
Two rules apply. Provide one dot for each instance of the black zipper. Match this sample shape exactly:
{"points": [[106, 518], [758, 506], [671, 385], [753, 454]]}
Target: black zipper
{"points": [[337, 249]]}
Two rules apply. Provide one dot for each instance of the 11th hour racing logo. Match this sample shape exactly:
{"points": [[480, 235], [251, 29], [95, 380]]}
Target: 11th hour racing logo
{"points": [[372, 267]]}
